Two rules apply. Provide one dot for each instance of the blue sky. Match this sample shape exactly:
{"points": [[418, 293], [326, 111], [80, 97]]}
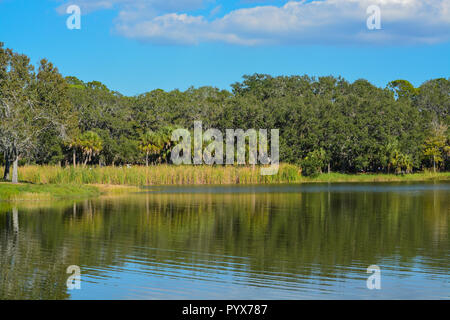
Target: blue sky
{"points": [[140, 45]]}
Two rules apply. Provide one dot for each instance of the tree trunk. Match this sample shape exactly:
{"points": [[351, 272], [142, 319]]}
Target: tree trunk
{"points": [[146, 159], [434, 164], [74, 158], [7, 166], [15, 176], [329, 168]]}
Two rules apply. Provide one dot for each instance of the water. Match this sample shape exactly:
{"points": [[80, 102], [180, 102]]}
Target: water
{"points": [[310, 241]]}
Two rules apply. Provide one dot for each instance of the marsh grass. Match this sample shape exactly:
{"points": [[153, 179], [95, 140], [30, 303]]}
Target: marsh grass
{"points": [[373, 177], [196, 175], [39, 192]]}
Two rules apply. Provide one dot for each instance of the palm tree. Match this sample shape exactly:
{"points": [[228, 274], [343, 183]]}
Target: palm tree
{"points": [[91, 145], [165, 139], [157, 143], [151, 143], [400, 160], [75, 144]]}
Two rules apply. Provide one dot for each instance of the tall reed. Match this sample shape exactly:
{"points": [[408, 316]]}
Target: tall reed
{"points": [[156, 175], [195, 175]]}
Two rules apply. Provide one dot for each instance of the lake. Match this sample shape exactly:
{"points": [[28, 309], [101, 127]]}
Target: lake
{"points": [[309, 241]]}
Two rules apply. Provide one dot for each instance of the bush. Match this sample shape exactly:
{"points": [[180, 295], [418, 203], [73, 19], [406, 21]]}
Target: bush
{"points": [[313, 163]]}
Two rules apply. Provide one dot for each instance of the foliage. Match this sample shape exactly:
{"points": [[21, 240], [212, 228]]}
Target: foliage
{"points": [[436, 146], [324, 122], [197, 175], [314, 162], [34, 109], [44, 192], [90, 144]]}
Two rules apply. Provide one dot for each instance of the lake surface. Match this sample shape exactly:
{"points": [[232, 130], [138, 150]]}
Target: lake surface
{"points": [[310, 241]]}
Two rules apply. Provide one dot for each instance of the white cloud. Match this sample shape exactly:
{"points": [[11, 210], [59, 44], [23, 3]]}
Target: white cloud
{"points": [[296, 22]]}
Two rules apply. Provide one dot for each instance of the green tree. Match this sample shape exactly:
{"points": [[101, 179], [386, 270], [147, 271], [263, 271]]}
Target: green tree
{"points": [[400, 161], [150, 143], [19, 113], [30, 106], [90, 144], [403, 89], [436, 146], [314, 162]]}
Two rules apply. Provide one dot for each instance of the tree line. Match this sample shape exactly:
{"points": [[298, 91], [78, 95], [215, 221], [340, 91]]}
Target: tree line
{"points": [[326, 123]]}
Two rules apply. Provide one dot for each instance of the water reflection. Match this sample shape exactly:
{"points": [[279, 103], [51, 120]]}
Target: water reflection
{"points": [[277, 242]]}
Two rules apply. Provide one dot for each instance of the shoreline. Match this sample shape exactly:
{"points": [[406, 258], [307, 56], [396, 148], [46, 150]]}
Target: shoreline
{"points": [[49, 192], [197, 175], [27, 191]]}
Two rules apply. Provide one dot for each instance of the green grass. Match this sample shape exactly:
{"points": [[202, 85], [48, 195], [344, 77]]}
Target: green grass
{"points": [[51, 182], [375, 177], [54, 181], [372, 177], [156, 175], [23, 191]]}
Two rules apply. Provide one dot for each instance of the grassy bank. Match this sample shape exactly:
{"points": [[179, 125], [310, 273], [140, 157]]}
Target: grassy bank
{"points": [[26, 191], [52, 182], [196, 175], [37, 192], [421, 176]]}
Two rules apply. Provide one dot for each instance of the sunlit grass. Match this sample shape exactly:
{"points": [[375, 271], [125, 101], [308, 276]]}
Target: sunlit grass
{"points": [[196, 175], [156, 175], [27, 191], [372, 177]]}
